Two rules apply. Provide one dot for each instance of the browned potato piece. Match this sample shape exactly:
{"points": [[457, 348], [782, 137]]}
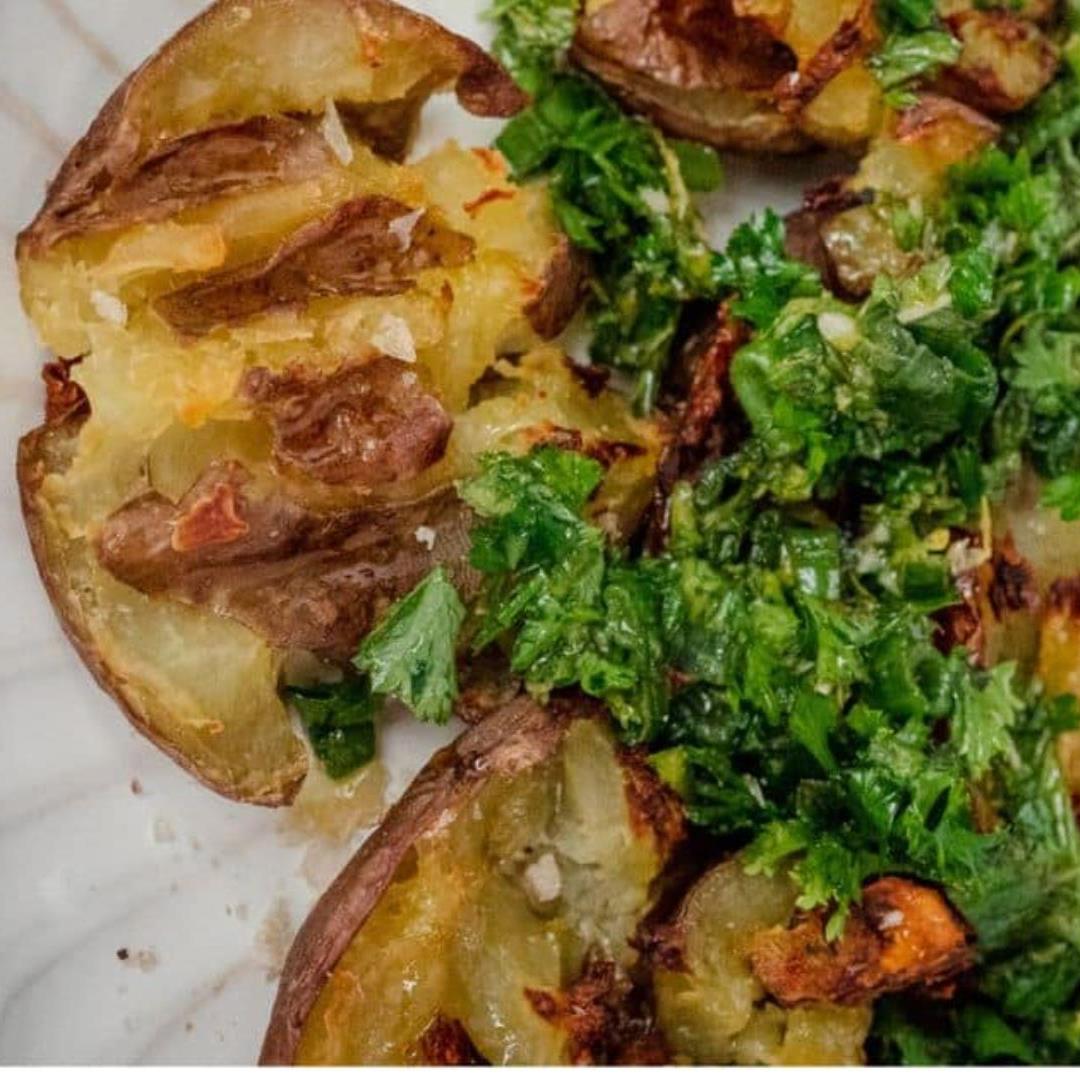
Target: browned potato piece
{"points": [[1006, 62], [712, 1007], [490, 916], [281, 330], [698, 69], [156, 658], [901, 934]]}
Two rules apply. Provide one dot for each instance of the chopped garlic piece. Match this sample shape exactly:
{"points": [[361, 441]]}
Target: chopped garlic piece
{"points": [[404, 226], [543, 882], [394, 338], [426, 535], [110, 308], [333, 131], [839, 330]]}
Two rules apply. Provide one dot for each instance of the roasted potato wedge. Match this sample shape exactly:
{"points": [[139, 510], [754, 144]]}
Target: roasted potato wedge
{"points": [[289, 346], [490, 916]]}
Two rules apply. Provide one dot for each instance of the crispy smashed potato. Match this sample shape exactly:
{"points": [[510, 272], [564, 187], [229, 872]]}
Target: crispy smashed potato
{"points": [[490, 917], [290, 345]]}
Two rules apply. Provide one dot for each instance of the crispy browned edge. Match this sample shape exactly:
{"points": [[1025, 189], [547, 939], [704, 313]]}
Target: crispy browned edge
{"points": [[113, 140], [30, 471], [517, 737], [561, 290]]}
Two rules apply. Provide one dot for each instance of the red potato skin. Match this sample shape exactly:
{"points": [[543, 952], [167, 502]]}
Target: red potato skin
{"points": [[517, 737], [114, 145]]}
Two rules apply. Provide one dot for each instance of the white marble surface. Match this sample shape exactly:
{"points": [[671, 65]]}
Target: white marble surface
{"points": [[200, 892]]}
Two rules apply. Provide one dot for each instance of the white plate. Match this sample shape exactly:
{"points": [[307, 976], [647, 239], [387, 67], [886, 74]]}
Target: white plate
{"points": [[202, 894]]}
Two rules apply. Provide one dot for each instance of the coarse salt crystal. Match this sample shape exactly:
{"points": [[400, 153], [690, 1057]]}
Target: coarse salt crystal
{"points": [[890, 920], [426, 535], [110, 308], [394, 338], [333, 131]]}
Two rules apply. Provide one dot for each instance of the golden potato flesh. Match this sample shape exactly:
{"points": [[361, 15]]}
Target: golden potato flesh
{"points": [[517, 868]]}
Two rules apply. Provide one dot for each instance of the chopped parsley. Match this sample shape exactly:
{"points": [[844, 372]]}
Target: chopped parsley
{"points": [[340, 723]]}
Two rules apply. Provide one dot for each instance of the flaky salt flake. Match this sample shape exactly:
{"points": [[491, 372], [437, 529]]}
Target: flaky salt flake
{"points": [[542, 879], [111, 308], [394, 338], [426, 535], [333, 131], [402, 228]]}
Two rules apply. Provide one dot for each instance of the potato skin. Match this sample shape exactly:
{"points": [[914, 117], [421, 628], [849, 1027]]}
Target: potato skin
{"points": [[652, 56], [31, 469], [515, 738], [115, 141]]}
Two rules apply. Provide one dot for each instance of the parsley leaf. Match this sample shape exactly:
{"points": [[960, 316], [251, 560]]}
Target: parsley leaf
{"points": [[909, 56], [619, 190], [410, 655]]}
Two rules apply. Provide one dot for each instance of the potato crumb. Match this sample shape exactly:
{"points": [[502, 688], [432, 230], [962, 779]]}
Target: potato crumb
{"points": [[163, 832], [274, 938]]}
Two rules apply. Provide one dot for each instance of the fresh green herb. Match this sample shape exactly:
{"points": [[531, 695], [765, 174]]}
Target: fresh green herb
{"points": [[917, 46], [531, 33], [1064, 494], [340, 722], [574, 613], [619, 190], [411, 654], [905, 58], [756, 267]]}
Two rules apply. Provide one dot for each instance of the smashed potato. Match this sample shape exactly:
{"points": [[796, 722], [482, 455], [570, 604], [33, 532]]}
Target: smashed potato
{"points": [[490, 918], [284, 347]]}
